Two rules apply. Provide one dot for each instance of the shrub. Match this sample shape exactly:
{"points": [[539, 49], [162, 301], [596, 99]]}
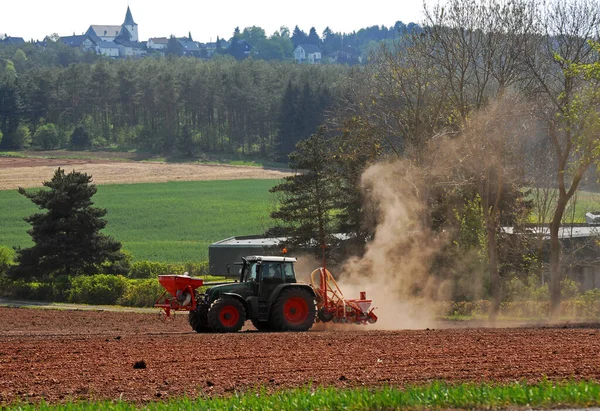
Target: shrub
{"points": [[80, 138], [97, 289], [141, 293], [21, 137], [148, 269], [34, 291], [7, 256], [47, 137]]}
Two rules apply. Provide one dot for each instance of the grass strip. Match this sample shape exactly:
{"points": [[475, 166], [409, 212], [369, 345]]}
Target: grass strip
{"points": [[438, 395]]}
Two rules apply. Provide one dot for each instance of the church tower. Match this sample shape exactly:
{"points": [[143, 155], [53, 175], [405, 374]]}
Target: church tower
{"points": [[130, 25]]}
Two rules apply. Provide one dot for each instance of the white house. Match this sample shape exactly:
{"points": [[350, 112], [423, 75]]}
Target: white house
{"points": [[158, 43], [307, 53], [107, 48]]}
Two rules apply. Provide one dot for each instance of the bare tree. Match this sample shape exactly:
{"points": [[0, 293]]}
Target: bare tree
{"points": [[567, 26], [487, 159]]}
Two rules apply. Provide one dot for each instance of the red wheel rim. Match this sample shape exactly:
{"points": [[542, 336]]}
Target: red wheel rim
{"points": [[295, 310], [229, 316]]}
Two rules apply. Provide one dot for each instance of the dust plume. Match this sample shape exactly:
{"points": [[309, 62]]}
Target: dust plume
{"points": [[394, 271]]}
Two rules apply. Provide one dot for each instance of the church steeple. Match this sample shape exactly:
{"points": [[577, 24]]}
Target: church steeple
{"points": [[130, 25], [129, 18]]}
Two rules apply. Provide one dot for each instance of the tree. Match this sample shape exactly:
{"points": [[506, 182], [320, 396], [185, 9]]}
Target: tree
{"points": [[495, 133], [305, 209], [80, 138], [298, 37], [564, 71], [67, 237], [313, 37], [174, 48], [47, 137]]}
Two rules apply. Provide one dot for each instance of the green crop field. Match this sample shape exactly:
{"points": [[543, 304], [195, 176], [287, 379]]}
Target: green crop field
{"points": [[437, 395], [168, 222]]}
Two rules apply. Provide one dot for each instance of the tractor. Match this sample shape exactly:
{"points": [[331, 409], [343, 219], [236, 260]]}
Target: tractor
{"points": [[268, 294]]}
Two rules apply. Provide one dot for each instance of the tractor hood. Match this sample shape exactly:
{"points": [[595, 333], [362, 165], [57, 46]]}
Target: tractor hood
{"points": [[214, 292]]}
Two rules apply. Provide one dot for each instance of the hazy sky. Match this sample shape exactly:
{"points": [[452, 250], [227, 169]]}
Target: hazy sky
{"points": [[205, 19]]}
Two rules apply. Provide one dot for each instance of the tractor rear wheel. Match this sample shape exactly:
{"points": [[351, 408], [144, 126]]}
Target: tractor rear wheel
{"points": [[198, 319], [226, 315], [294, 310]]}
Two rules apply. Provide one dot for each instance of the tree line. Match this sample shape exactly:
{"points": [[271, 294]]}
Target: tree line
{"points": [[165, 105]]}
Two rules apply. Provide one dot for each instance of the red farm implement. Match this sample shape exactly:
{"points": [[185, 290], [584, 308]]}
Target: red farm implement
{"points": [[332, 306]]}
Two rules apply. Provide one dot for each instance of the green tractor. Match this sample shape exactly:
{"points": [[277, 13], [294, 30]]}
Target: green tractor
{"points": [[267, 293]]}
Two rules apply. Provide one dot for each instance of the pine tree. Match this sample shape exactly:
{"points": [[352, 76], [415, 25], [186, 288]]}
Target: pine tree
{"points": [[67, 237], [289, 124], [307, 197]]}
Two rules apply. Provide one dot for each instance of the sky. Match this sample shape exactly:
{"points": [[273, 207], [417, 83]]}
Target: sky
{"points": [[34, 19]]}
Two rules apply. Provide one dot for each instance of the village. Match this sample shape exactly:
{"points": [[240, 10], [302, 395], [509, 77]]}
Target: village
{"points": [[122, 41]]}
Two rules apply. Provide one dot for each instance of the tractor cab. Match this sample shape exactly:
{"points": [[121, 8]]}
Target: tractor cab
{"points": [[275, 270]]}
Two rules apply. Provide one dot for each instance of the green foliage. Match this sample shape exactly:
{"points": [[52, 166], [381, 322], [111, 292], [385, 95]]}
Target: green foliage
{"points": [[7, 258], [165, 105], [80, 138], [169, 222], [47, 137], [148, 269], [435, 395], [21, 137], [307, 197], [141, 293], [97, 289], [67, 237]]}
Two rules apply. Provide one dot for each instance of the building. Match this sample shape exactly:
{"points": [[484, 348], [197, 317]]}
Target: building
{"points": [[307, 53], [223, 255], [117, 41], [82, 42], [14, 41], [103, 33], [580, 250], [157, 43]]}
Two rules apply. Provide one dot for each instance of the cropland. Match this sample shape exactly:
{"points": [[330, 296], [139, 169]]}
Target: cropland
{"points": [[152, 209], [30, 172], [62, 355]]}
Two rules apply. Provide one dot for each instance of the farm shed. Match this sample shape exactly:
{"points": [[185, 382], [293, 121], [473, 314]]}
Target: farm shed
{"points": [[223, 254], [580, 250]]}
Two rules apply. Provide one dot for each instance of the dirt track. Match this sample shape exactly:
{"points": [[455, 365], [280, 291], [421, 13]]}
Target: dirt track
{"points": [[30, 172], [60, 355]]}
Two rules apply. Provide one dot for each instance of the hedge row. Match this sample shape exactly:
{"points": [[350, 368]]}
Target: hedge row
{"points": [[583, 306], [102, 289]]}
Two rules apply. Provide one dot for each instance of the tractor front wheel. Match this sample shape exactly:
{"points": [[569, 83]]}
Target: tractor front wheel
{"points": [[226, 315], [294, 310], [198, 319]]}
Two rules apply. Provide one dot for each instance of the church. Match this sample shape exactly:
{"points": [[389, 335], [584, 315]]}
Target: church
{"points": [[117, 41], [127, 31]]}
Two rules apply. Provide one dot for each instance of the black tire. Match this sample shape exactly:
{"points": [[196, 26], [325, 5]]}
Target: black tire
{"points": [[226, 315], [294, 310], [198, 319], [263, 326], [324, 316]]}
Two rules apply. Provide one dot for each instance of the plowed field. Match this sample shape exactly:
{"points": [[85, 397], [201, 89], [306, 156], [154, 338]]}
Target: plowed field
{"points": [[61, 355]]}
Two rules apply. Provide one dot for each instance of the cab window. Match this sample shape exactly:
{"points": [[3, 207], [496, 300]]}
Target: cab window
{"points": [[288, 272], [271, 271], [251, 275]]}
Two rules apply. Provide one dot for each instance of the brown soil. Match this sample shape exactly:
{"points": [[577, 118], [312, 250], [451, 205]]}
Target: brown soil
{"points": [[30, 172], [62, 355]]}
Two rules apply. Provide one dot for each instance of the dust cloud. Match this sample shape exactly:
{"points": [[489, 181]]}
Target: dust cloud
{"points": [[394, 271]]}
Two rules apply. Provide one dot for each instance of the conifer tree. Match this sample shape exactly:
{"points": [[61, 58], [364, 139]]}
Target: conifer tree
{"points": [[307, 197], [67, 237]]}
